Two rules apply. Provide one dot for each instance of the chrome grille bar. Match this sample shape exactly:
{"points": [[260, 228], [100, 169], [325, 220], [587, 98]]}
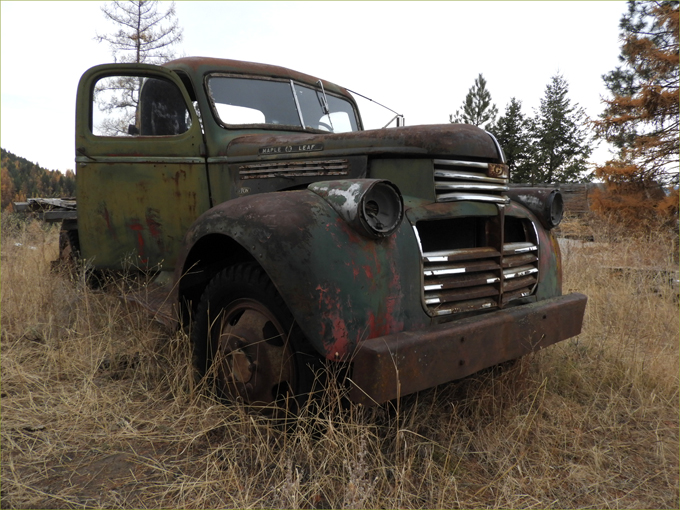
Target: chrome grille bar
{"points": [[470, 187], [454, 197], [460, 280], [457, 180], [467, 176], [464, 164]]}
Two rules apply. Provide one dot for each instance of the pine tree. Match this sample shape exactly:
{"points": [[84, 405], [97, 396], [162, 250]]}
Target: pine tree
{"points": [[477, 108], [561, 141], [512, 134], [641, 117], [145, 35]]}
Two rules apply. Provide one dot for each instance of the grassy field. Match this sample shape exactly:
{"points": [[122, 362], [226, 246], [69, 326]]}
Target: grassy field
{"points": [[100, 408]]}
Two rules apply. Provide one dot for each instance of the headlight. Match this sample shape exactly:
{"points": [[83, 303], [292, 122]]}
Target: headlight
{"points": [[556, 208], [373, 207], [546, 203], [381, 209]]}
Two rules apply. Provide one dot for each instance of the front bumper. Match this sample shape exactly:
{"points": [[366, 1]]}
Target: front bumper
{"points": [[387, 367]]}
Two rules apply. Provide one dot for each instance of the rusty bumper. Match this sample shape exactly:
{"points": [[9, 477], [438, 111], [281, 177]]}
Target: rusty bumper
{"points": [[387, 367]]}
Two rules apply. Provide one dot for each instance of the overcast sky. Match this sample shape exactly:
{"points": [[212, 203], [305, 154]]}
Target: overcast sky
{"points": [[418, 58]]}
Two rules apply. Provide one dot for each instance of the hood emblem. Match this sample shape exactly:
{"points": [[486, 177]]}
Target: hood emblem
{"points": [[288, 149]]}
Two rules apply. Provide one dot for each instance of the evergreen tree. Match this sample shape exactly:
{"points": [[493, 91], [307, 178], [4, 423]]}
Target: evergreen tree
{"points": [[477, 108], [145, 35], [512, 134], [561, 141], [641, 117]]}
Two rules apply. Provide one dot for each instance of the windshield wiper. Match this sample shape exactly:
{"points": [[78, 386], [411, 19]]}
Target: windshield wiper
{"points": [[297, 104], [324, 103], [324, 106]]}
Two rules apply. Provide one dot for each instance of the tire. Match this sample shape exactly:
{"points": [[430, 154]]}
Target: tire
{"points": [[246, 341], [70, 262], [69, 251]]}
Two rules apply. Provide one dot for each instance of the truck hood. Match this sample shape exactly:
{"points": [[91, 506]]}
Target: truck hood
{"points": [[442, 140]]}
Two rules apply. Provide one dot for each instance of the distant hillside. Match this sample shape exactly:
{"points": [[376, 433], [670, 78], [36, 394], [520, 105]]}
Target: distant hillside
{"points": [[21, 179]]}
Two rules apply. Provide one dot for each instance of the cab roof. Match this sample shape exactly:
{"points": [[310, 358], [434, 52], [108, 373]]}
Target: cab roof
{"points": [[198, 67]]}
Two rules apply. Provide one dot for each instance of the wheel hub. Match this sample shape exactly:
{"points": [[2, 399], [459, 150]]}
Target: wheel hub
{"points": [[241, 366], [254, 359]]}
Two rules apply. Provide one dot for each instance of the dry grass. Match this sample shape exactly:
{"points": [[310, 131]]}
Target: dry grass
{"points": [[100, 409]]}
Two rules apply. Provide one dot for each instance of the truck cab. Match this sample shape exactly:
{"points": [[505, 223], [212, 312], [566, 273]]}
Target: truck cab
{"points": [[283, 233]]}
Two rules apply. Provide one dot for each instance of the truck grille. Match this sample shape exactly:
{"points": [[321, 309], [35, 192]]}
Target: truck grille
{"points": [[469, 180], [470, 275], [294, 169]]}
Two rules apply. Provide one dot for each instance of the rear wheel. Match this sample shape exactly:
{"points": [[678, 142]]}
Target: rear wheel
{"points": [[245, 338], [69, 250]]}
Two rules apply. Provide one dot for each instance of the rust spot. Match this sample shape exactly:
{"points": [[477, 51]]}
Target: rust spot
{"points": [[139, 228], [193, 201], [353, 235], [385, 322], [143, 187], [109, 225], [155, 227], [107, 218], [153, 223], [331, 318]]}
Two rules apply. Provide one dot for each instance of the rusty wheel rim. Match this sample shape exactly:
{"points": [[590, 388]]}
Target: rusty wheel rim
{"points": [[254, 360]]}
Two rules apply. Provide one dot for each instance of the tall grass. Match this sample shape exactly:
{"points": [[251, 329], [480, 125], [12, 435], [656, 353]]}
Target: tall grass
{"points": [[100, 409]]}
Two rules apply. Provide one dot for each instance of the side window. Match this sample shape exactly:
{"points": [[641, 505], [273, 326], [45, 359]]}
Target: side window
{"points": [[127, 106]]}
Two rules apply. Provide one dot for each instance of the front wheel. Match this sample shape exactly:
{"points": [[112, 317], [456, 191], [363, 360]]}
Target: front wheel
{"points": [[245, 338]]}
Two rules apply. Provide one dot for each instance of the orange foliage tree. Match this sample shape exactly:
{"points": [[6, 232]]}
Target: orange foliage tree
{"points": [[641, 119], [7, 188]]}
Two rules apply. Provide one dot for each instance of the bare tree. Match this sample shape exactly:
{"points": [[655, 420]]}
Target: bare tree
{"points": [[145, 35]]}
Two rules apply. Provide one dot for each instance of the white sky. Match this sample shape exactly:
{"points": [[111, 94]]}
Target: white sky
{"points": [[418, 58]]}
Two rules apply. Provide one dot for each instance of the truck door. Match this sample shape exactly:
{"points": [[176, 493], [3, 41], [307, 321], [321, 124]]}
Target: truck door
{"points": [[140, 168]]}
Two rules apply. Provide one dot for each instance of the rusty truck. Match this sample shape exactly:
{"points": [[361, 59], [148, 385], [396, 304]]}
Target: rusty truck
{"points": [[282, 234]]}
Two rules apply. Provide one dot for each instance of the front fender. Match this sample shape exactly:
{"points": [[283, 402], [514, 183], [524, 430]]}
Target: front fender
{"points": [[550, 259], [340, 286]]}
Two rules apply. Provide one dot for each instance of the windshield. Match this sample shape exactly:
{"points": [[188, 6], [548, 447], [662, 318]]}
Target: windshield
{"points": [[251, 101]]}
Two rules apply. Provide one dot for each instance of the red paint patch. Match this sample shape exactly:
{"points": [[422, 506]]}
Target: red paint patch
{"points": [[107, 219], [340, 337], [331, 319], [138, 228], [155, 227], [353, 235], [385, 320]]}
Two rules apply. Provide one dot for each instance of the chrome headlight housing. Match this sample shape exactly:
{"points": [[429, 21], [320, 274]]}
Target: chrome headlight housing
{"points": [[546, 203], [555, 208], [373, 207]]}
